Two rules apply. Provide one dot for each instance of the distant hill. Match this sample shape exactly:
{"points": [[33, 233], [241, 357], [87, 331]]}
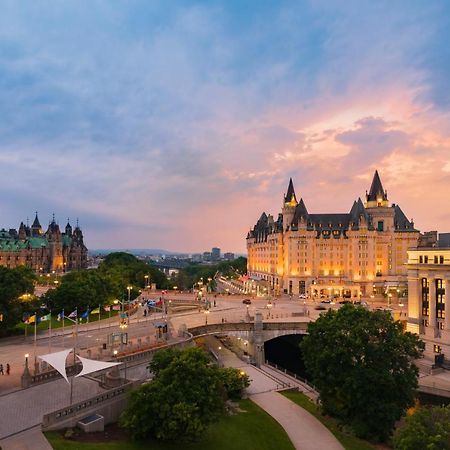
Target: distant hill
{"points": [[133, 251]]}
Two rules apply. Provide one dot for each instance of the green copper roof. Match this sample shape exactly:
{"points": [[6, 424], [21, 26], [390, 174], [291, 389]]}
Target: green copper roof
{"points": [[37, 242]]}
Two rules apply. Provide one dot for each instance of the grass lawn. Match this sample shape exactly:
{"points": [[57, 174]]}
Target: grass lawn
{"points": [[43, 326], [348, 441], [252, 429]]}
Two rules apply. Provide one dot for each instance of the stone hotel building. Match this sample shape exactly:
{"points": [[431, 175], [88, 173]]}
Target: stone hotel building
{"points": [[357, 253]]}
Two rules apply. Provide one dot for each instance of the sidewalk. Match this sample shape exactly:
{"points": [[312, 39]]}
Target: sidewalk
{"points": [[303, 429], [32, 439]]}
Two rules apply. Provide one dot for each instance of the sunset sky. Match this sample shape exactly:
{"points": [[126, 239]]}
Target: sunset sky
{"points": [[175, 124]]}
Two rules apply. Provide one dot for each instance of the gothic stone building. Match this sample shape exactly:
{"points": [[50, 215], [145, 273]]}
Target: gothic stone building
{"points": [[362, 252], [43, 252]]}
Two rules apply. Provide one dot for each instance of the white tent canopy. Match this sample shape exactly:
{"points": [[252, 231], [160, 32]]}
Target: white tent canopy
{"points": [[58, 361], [91, 365]]}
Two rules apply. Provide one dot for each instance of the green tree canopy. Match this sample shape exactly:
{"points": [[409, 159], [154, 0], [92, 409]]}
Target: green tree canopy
{"points": [[428, 428], [13, 284], [362, 365], [184, 397]]}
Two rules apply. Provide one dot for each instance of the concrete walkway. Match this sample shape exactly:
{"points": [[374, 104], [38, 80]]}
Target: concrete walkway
{"points": [[32, 439], [303, 429]]}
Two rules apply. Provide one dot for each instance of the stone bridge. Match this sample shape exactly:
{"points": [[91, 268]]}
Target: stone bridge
{"points": [[252, 334]]}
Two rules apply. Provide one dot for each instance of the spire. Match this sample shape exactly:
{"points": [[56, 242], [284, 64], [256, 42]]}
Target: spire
{"points": [[376, 190], [36, 223], [290, 196]]}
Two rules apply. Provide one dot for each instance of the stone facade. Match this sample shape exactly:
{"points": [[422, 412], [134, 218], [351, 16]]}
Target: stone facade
{"points": [[428, 288], [43, 252], [359, 253]]}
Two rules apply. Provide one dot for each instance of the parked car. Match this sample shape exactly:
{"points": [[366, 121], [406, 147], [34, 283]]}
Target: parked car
{"points": [[151, 303], [320, 308], [302, 296], [327, 300], [247, 301], [344, 302]]}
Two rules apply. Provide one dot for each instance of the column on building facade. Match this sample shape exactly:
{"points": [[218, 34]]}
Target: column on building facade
{"points": [[432, 302], [447, 304], [414, 302]]}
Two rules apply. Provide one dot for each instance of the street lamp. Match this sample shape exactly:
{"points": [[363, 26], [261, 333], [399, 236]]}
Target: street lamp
{"points": [[146, 281], [389, 299], [206, 316]]}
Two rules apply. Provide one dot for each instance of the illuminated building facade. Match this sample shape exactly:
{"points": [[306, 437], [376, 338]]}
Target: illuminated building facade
{"points": [[43, 252], [362, 252], [428, 294]]}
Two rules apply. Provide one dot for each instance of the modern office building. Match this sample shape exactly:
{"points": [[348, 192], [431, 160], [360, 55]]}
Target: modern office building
{"points": [[43, 252], [361, 252], [215, 254]]}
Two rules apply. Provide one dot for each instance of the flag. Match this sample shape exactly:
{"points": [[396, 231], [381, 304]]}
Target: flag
{"points": [[116, 307], [85, 314], [107, 308], [60, 316], [95, 311], [30, 319], [73, 314], [44, 318]]}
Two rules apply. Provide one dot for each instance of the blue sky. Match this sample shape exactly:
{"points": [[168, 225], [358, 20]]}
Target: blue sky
{"points": [[175, 124]]}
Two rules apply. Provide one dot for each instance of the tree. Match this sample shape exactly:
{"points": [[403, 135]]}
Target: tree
{"points": [[362, 365], [13, 284], [234, 382], [184, 397], [428, 428]]}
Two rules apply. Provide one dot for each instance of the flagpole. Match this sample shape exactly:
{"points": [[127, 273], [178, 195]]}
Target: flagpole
{"points": [[109, 316], [76, 335], [99, 314], [35, 331], [50, 333], [63, 319]]}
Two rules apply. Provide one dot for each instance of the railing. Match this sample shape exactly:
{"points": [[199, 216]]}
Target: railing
{"points": [[293, 375]]}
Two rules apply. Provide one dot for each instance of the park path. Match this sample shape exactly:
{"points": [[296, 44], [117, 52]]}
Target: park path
{"points": [[32, 439], [304, 430]]}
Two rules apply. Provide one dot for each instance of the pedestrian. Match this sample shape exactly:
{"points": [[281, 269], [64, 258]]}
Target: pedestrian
{"points": [[214, 302], [8, 368], [1, 369]]}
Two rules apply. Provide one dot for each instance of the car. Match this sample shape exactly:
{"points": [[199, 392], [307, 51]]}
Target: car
{"points": [[247, 301], [302, 296], [327, 300], [151, 303], [344, 302], [320, 308]]}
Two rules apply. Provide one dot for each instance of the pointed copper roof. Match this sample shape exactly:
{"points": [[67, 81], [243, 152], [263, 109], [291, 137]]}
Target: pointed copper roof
{"points": [[376, 189], [290, 193], [36, 223]]}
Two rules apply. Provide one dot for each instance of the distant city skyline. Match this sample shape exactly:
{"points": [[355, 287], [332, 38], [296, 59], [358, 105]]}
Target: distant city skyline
{"points": [[175, 125]]}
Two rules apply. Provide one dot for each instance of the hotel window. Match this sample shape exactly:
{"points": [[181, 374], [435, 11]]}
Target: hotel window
{"points": [[425, 297], [425, 259], [435, 259], [437, 348], [441, 259], [380, 225]]}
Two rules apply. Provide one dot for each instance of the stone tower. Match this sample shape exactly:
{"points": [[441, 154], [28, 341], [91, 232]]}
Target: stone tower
{"points": [[289, 205]]}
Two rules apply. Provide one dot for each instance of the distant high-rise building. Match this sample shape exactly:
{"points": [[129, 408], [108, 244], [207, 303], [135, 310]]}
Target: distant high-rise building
{"points": [[43, 252], [215, 254], [206, 256], [228, 256]]}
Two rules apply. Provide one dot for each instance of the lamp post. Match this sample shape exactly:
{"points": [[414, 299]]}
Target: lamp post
{"points": [[389, 299], [26, 376], [206, 316], [145, 281]]}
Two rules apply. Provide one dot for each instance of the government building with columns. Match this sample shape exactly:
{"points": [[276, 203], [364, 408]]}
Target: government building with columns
{"points": [[428, 288], [43, 251], [362, 252]]}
